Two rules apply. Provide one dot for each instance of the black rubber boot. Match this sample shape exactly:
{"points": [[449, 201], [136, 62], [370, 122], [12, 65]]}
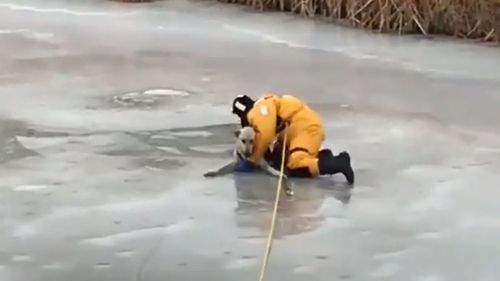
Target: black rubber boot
{"points": [[329, 164], [325, 152]]}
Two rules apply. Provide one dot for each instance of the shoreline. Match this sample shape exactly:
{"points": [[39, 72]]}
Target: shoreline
{"points": [[479, 22]]}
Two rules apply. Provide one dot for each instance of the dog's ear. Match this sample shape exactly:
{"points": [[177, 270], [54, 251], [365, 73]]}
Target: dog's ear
{"points": [[237, 133]]}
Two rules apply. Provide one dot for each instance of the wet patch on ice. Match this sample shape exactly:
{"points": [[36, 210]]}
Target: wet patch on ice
{"points": [[30, 34], [111, 144], [388, 255], [102, 265], [191, 134], [36, 143], [30, 187], [321, 257], [241, 263], [28, 214], [166, 92], [217, 149], [210, 141], [138, 234], [53, 266], [163, 163], [149, 98], [22, 258], [130, 99], [125, 253], [171, 150], [302, 269], [163, 137]]}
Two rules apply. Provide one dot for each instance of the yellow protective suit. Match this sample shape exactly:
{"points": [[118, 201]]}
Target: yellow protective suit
{"points": [[305, 132]]}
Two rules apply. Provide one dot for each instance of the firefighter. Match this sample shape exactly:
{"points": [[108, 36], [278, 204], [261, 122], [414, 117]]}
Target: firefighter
{"points": [[269, 116]]}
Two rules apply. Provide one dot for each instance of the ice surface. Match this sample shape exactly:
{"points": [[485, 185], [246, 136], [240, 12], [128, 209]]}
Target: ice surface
{"points": [[110, 114]]}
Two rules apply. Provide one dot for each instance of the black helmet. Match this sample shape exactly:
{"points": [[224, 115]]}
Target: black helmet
{"points": [[241, 105]]}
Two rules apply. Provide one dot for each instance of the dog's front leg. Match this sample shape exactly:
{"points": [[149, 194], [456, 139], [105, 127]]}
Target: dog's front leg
{"points": [[226, 169]]}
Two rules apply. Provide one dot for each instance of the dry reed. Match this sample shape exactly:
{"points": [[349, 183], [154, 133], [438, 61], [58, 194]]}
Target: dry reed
{"points": [[463, 18]]}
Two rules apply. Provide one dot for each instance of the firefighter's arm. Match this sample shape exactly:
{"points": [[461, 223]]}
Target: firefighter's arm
{"points": [[263, 118]]}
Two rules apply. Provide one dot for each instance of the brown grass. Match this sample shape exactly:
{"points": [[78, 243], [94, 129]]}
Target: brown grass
{"points": [[476, 19]]}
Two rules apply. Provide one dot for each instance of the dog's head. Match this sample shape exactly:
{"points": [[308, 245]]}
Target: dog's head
{"points": [[245, 141]]}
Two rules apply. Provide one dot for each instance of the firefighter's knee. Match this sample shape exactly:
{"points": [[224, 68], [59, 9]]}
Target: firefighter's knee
{"points": [[302, 164]]}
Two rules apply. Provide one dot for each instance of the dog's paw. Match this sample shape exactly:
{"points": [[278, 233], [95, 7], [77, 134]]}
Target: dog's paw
{"points": [[210, 174], [288, 189]]}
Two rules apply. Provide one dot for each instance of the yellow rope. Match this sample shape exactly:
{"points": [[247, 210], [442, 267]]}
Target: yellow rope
{"points": [[273, 219]]}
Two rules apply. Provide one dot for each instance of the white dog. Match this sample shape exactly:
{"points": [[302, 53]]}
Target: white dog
{"points": [[242, 150]]}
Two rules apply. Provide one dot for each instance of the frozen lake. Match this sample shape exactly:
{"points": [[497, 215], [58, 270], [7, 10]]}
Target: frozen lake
{"points": [[111, 113]]}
